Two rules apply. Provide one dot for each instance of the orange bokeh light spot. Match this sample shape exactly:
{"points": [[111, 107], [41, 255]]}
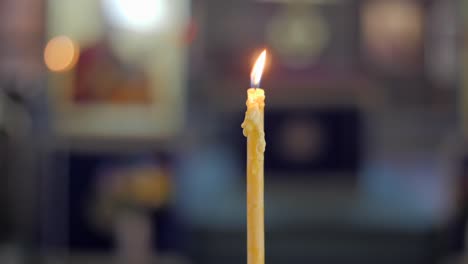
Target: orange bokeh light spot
{"points": [[61, 54]]}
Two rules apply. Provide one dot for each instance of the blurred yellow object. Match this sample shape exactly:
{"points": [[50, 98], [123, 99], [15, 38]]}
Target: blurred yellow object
{"points": [[253, 129], [149, 188], [61, 54], [145, 188]]}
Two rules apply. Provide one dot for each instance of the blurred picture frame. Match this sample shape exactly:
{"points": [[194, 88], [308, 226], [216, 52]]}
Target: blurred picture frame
{"points": [[116, 74]]}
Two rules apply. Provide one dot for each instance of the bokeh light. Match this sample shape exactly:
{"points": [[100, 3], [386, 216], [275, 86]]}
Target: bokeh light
{"points": [[298, 34], [136, 15], [393, 32], [61, 54]]}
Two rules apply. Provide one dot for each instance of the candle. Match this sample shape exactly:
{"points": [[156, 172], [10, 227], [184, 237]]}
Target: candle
{"points": [[254, 131]]}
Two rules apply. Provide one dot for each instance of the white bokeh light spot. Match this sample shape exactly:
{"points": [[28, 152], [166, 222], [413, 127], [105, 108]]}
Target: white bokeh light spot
{"points": [[137, 15]]}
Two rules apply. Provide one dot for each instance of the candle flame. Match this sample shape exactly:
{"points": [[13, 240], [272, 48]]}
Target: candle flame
{"points": [[257, 70]]}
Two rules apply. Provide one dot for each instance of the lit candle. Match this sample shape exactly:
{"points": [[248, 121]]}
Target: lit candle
{"points": [[254, 131]]}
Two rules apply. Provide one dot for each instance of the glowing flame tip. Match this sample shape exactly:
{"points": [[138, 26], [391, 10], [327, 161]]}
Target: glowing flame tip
{"points": [[257, 70]]}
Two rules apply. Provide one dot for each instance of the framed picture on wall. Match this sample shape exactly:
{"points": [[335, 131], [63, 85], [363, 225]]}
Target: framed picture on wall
{"points": [[119, 72]]}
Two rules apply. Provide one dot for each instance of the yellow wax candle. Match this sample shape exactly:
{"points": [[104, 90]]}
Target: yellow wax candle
{"points": [[254, 131]]}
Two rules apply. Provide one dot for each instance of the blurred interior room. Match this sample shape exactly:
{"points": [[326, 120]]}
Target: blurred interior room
{"points": [[121, 138]]}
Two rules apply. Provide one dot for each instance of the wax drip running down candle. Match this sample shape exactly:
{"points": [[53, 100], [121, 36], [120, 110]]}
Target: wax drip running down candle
{"points": [[253, 129]]}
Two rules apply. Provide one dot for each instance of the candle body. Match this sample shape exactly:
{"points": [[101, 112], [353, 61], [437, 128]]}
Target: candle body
{"points": [[253, 126]]}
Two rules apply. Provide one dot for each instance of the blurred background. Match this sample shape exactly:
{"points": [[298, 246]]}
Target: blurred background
{"points": [[120, 138]]}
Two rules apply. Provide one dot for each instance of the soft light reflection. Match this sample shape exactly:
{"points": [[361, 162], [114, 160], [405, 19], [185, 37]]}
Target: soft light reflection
{"points": [[257, 70], [137, 15], [393, 30], [61, 54]]}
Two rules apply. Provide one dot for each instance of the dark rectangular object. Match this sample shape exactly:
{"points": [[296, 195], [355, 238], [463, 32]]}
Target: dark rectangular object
{"points": [[311, 141]]}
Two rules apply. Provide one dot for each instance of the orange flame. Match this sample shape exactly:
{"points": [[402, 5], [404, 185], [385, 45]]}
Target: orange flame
{"points": [[257, 70]]}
